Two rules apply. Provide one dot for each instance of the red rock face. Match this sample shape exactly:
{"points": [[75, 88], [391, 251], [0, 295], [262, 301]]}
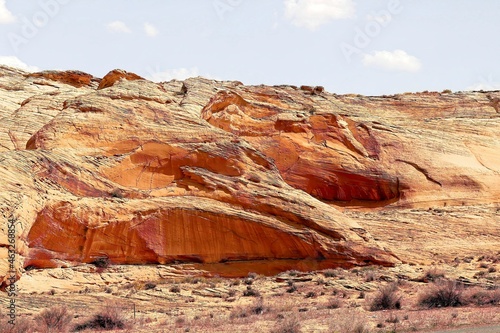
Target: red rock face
{"points": [[76, 79], [224, 175], [368, 151], [115, 75], [327, 155]]}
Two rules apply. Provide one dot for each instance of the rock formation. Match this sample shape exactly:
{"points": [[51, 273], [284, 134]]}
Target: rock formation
{"points": [[233, 177]]}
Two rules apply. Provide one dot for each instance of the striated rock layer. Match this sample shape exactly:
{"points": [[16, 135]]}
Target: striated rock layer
{"points": [[231, 177]]}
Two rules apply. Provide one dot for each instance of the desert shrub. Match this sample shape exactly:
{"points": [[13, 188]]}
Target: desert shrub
{"points": [[257, 308], [149, 286], [432, 274], [370, 276], [393, 319], [102, 262], [251, 292], [442, 293], [175, 289], [349, 322], [289, 325], [329, 273], [55, 319], [291, 287], [483, 265], [110, 318], [334, 303], [320, 282], [481, 297], [192, 279], [22, 325], [386, 298]]}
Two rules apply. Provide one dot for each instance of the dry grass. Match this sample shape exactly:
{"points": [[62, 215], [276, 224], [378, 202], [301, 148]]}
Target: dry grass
{"points": [[334, 305], [288, 325], [22, 325], [55, 319], [442, 293], [432, 274], [387, 298], [108, 319]]}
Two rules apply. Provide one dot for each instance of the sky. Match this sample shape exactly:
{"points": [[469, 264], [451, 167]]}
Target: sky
{"points": [[370, 47]]}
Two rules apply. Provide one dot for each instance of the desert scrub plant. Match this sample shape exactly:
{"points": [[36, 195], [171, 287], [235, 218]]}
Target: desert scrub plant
{"points": [[101, 263], [349, 322], [442, 293], [149, 285], [257, 308], [55, 319], [432, 274], [108, 319], [291, 287], [251, 292], [288, 325], [329, 273], [22, 325], [175, 289], [292, 272], [334, 303], [481, 297], [386, 298]]}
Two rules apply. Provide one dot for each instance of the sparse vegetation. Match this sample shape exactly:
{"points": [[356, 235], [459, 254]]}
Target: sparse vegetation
{"points": [[432, 274], [149, 285], [288, 325], [291, 287], [340, 303], [251, 292], [334, 303], [386, 298], [175, 289], [481, 297], [110, 318], [22, 325], [101, 262], [257, 308], [329, 273], [442, 293], [55, 319]]}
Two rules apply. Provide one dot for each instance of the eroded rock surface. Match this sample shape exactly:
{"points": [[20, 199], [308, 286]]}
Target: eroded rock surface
{"points": [[127, 171], [233, 178]]}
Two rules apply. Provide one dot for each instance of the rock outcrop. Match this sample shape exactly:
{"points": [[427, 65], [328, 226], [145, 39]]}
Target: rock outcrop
{"points": [[129, 172], [234, 178]]}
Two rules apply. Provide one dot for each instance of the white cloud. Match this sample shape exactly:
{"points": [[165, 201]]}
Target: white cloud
{"points": [[13, 61], [313, 13], [6, 16], [118, 26], [397, 60], [178, 73], [150, 30]]}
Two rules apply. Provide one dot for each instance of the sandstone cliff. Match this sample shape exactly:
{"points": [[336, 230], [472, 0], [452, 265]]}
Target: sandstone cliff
{"points": [[134, 172]]}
